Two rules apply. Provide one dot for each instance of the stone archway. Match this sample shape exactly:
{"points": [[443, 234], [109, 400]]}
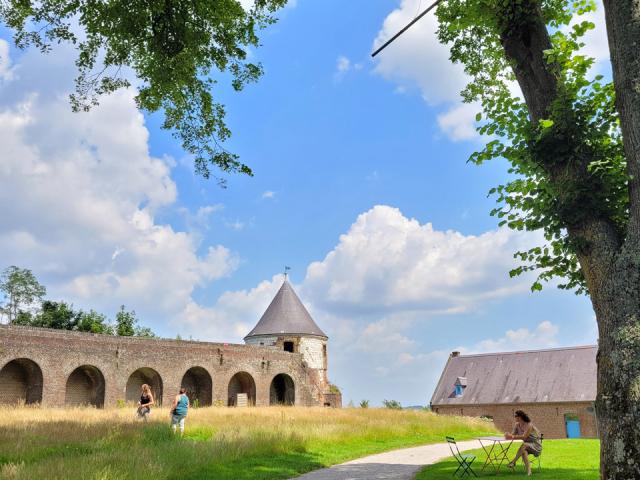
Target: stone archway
{"points": [[138, 378], [199, 386], [282, 390], [21, 382], [85, 386], [241, 382]]}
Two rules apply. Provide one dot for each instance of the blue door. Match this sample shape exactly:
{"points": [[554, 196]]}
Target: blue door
{"points": [[573, 427]]}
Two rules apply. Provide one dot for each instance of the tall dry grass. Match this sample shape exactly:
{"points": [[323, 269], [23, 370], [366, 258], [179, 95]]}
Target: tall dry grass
{"points": [[220, 443]]}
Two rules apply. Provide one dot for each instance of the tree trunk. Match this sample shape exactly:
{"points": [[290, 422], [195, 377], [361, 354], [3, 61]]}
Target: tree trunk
{"points": [[623, 30], [611, 267], [618, 403]]}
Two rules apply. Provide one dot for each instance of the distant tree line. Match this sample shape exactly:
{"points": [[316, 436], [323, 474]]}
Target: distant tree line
{"points": [[24, 304]]}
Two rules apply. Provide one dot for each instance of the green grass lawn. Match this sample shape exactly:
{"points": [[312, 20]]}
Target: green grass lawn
{"points": [[219, 443], [561, 460]]}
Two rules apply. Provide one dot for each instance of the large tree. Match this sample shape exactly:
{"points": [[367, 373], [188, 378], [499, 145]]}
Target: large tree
{"points": [[178, 50], [573, 141], [21, 290]]}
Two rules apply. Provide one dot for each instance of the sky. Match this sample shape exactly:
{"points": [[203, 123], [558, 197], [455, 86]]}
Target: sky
{"points": [[361, 186]]}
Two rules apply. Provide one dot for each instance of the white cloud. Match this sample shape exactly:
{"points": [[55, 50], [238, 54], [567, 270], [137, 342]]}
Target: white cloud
{"points": [[248, 4], [545, 335], [458, 123], [269, 194], [389, 262], [418, 60], [236, 225], [81, 193], [232, 316], [343, 64], [6, 72], [596, 41]]}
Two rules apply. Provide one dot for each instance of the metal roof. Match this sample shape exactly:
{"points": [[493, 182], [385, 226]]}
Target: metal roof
{"points": [[555, 375], [286, 315]]}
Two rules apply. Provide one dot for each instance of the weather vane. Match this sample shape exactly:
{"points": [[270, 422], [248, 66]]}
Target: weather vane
{"points": [[286, 271]]}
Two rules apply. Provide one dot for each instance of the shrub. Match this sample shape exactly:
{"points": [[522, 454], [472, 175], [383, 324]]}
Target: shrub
{"points": [[392, 404], [364, 404]]}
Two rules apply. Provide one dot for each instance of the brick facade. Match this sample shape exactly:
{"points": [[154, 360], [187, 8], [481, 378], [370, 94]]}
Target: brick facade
{"points": [[549, 418], [55, 368]]}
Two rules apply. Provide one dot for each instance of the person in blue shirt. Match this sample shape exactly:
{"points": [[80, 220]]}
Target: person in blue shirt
{"points": [[179, 410]]}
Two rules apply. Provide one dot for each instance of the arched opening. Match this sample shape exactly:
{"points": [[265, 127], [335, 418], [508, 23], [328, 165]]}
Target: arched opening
{"points": [[138, 378], [199, 386], [21, 382], [85, 386], [282, 390], [242, 383]]}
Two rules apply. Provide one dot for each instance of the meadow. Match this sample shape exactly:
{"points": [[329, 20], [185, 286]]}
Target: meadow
{"points": [[219, 443], [561, 459]]}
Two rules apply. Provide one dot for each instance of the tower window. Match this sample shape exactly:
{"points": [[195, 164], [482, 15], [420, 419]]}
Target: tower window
{"points": [[459, 390], [288, 347]]}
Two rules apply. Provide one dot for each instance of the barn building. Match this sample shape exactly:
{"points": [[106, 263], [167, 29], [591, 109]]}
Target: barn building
{"points": [[556, 387], [283, 362]]}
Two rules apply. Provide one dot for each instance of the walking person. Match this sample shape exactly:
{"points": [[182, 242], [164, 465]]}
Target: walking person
{"points": [[526, 431], [179, 410], [145, 403]]}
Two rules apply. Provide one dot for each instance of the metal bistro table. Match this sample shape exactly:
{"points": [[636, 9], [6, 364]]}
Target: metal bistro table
{"points": [[497, 449]]}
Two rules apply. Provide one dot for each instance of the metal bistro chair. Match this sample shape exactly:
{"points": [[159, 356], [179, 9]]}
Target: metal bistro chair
{"points": [[464, 459], [539, 457]]}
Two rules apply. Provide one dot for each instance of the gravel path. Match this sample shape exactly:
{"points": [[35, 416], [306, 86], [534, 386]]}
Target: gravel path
{"points": [[395, 465]]}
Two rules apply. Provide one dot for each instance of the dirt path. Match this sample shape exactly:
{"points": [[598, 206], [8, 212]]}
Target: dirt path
{"points": [[395, 465]]}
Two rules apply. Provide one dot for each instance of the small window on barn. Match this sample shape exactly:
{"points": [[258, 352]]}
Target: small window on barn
{"points": [[460, 385], [288, 347]]}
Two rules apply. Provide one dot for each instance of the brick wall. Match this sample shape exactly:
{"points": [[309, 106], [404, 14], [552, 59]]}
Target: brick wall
{"points": [[548, 417], [125, 362]]}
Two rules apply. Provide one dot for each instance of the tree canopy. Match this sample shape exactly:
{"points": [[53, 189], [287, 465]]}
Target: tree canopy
{"points": [[25, 306], [177, 50]]}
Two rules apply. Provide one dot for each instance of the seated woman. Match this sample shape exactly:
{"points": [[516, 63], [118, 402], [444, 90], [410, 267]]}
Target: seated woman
{"points": [[527, 432]]}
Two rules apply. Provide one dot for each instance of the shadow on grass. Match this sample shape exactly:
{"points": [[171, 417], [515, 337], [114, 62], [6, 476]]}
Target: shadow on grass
{"points": [[445, 470], [50, 439], [279, 466]]}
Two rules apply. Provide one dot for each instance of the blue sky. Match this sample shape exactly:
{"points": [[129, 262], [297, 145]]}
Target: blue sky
{"points": [[361, 186]]}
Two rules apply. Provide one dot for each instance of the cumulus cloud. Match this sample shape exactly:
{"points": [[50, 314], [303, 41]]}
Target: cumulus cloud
{"points": [[232, 316], [5, 61], [416, 60], [545, 335], [458, 123], [387, 261], [81, 193]]}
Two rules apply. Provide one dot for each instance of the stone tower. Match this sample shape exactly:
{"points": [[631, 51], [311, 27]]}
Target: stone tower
{"points": [[286, 325]]}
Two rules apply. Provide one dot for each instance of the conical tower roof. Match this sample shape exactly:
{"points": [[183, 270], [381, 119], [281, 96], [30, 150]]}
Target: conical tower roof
{"points": [[286, 315]]}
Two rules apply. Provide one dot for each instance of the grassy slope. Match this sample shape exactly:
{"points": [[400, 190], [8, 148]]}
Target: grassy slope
{"points": [[561, 459], [220, 443]]}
